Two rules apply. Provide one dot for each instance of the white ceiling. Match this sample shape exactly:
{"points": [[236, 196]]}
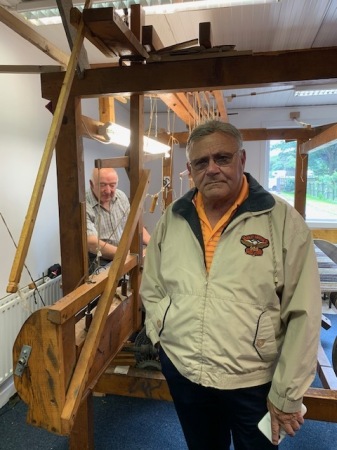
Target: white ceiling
{"points": [[286, 25]]}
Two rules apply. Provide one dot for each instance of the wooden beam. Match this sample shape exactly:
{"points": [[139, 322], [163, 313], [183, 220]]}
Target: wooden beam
{"points": [[301, 181], [137, 19], [327, 137], [82, 434], [135, 383], [106, 25], [34, 204], [30, 69], [150, 39], [75, 20], [205, 35], [194, 53], [175, 47], [87, 355], [116, 163], [25, 31], [173, 102], [71, 198], [106, 109], [64, 7], [260, 134], [321, 404], [220, 102], [256, 134], [89, 128], [136, 154], [70, 304], [182, 97], [215, 73]]}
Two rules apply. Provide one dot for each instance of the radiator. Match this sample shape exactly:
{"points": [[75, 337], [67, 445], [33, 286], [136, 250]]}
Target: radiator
{"points": [[15, 309]]}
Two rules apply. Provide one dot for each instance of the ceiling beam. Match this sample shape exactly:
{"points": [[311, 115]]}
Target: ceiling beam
{"points": [[327, 137], [220, 105], [262, 134], [263, 69], [173, 101]]}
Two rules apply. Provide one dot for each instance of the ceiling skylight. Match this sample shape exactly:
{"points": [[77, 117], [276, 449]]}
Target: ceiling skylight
{"points": [[42, 12]]}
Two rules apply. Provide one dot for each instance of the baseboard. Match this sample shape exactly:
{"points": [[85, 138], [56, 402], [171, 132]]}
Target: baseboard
{"points": [[7, 390]]}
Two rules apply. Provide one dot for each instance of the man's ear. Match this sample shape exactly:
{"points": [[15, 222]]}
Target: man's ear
{"points": [[188, 165]]}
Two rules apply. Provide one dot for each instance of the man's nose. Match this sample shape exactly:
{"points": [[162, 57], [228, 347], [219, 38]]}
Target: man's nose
{"points": [[212, 166], [108, 189]]}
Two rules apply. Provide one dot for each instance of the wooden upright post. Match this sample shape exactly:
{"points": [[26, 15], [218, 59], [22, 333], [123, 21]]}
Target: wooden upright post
{"points": [[136, 168], [71, 198], [300, 180]]}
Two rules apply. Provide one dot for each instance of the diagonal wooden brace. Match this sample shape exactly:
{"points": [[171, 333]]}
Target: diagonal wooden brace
{"points": [[33, 208], [80, 376]]}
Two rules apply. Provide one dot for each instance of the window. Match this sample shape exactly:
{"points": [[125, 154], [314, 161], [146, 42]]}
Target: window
{"points": [[282, 166], [321, 200]]}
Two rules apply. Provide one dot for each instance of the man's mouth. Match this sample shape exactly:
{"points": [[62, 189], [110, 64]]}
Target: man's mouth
{"points": [[210, 183]]}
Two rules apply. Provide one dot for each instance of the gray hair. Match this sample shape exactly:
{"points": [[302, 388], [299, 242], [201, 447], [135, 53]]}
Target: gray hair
{"points": [[96, 173], [211, 127]]}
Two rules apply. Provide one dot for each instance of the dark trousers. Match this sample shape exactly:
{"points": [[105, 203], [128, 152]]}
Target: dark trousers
{"points": [[211, 418]]}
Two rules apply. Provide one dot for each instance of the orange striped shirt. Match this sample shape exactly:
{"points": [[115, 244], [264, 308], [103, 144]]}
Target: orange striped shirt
{"points": [[211, 235]]}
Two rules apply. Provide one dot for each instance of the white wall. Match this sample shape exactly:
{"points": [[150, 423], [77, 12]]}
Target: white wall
{"points": [[24, 125]]}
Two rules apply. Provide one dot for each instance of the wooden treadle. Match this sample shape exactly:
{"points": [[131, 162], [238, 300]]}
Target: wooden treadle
{"points": [[135, 382]]}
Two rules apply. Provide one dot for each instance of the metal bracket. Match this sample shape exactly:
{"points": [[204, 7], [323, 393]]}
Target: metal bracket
{"points": [[23, 360], [166, 181]]}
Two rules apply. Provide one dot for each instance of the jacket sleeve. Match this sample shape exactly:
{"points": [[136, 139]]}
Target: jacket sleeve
{"points": [[152, 289], [301, 309]]}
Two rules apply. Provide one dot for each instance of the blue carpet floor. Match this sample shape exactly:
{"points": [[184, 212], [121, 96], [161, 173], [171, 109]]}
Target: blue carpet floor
{"points": [[122, 423]]}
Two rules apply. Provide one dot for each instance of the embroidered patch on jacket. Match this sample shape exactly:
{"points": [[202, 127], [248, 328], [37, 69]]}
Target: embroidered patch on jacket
{"points": [[254, 244]]}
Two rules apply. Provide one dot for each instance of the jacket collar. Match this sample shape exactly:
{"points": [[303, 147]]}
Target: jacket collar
{"points": [[258, 200]]}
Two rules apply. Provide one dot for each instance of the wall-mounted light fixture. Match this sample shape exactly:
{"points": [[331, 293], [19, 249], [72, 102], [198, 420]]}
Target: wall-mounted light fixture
{"points": [[323, 89], [114, 133]]}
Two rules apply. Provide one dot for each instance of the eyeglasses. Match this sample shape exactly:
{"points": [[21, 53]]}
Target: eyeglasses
{"points": [[220, 159]]}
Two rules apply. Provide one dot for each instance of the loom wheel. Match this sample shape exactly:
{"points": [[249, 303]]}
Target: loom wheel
{"points": [[146, 354]]}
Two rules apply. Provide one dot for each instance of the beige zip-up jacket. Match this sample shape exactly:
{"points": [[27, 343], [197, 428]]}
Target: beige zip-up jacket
{"points": [[255, 317]]}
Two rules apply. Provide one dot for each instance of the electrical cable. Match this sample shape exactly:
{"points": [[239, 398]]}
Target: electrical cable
{"points": [[28, 271]]}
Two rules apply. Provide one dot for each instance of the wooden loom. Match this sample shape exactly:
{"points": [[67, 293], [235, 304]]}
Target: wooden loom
{"points": [[66, 362], [59, 356]]}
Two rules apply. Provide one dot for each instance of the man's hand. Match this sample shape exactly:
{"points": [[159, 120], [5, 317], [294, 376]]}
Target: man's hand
{"points": [[290, 422]]}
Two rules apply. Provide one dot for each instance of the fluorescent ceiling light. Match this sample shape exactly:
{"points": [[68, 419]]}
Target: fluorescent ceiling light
{"points": [[120, 135], [323, 89], [170, 8], [44, 13]]}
